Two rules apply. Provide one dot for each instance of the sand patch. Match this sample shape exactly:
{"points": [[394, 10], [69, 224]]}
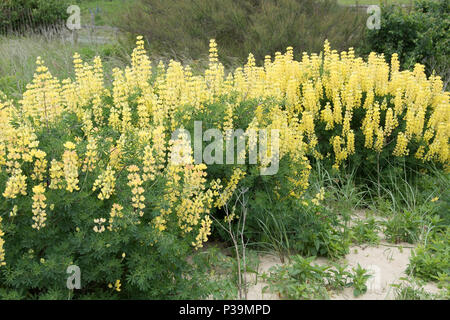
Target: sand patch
{"points": [[387, 264]]}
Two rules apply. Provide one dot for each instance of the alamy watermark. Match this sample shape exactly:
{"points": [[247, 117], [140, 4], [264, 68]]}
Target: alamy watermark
{"points": [[374, 282], [74, 280], [74, 20], [374, 20]]}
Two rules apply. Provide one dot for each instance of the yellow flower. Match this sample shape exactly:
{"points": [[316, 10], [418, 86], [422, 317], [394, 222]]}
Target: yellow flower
{"points": [[39, 214], [2, 242], [117, 286], [106, 181], [69, 145], [135, 182], [70, 167], [15, 185]]}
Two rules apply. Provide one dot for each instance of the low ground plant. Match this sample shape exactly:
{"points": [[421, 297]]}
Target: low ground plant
{"points": [[365, 231], [431, 259], [302, 279]]}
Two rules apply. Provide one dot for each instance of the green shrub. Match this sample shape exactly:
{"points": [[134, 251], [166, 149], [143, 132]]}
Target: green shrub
{"points": [[404, 226], [413, 208], [413, 289], [22, 15], [360, 277], [299, 280], [148, 264], [421, 35], [296, 226], [365, 231]]}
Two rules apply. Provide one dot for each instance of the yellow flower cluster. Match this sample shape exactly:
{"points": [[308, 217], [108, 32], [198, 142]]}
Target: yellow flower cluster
{"points": [[39, 214], [205, 231], [195, 201], [149, 167], [20, 144], [70, 162], [116, 285], [2, 242], [116, 212], [56, 174], [330, 91], [99, 225], [15, 185], [42, 100], [106, 182], [40, 165], [320, 196], [227, 193], [91, 156], [13, 212], [135, 183]]}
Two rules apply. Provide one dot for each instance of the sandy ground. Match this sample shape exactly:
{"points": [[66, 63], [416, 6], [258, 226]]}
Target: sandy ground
{"points": [[387, 265], [385, 262]]}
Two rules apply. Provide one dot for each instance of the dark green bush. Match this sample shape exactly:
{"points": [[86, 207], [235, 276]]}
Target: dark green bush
{"points": [[295, 226], [421, 35], [148, 264], [22, 15]]}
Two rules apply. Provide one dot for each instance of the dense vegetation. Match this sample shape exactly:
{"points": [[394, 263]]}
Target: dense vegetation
{"points": [[420, 34], [21, 15], [91, 174], [89, 177], [183, 28]]}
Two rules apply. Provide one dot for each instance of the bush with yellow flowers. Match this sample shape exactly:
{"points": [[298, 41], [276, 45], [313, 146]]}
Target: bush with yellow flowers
{"points": [[87, 175]]}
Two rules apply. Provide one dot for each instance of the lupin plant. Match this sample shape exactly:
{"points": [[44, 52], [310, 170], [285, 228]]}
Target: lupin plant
{"points": [[88, 170]]}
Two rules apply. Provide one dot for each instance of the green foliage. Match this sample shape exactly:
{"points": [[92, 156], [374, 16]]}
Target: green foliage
{"points": [[301, 279], [360, 277], [156, 266], [412, 289], [21, 15], [339, 277], [420, 35], [149, 264], [220, 271], [413, 198], [365, 231], [410, 226], [404, 226], [277, 221], [344, 191], [296, 227], [183, 28], [431, 260]]}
